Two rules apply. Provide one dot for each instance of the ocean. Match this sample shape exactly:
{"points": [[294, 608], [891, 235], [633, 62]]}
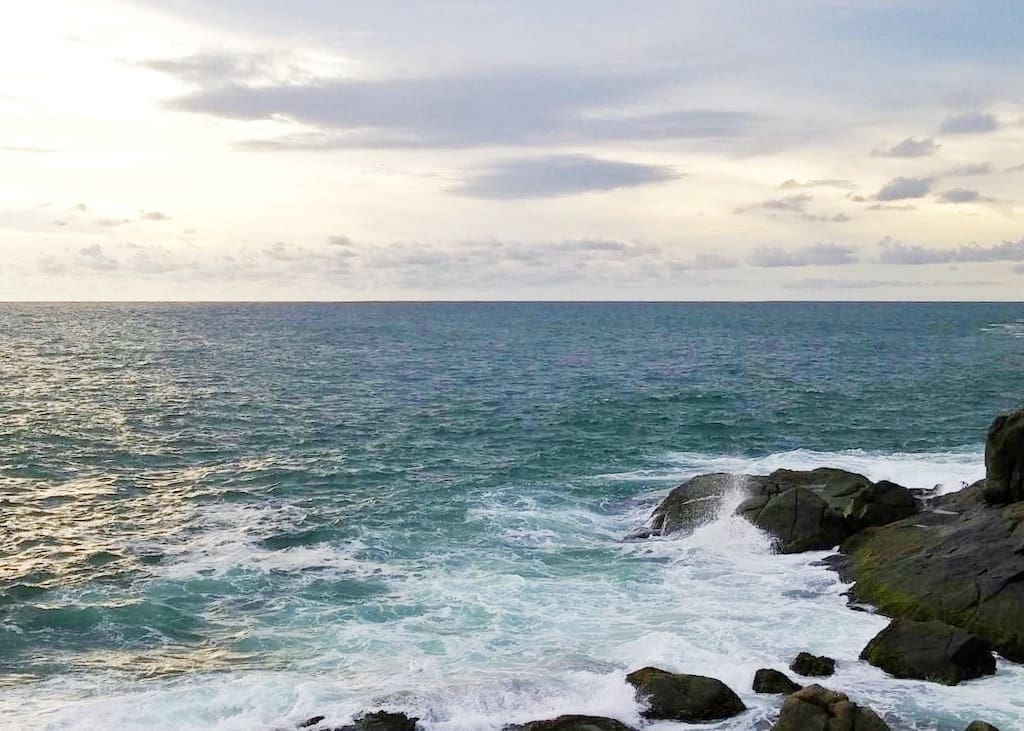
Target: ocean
{"points": [[238, 516]]}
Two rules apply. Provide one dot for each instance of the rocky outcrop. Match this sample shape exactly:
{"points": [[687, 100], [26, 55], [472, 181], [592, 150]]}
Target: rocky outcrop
{"points": [[819, 509], [961, 562], [802, 510], [929, 651], [377, 721], [819, 709], [681, 697], [980, 726], [767, 680], [573, 723], [814, 666], [1004, 459]]}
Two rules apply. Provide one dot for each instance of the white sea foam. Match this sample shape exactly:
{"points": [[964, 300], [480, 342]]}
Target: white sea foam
{"points": [[523, 633]]}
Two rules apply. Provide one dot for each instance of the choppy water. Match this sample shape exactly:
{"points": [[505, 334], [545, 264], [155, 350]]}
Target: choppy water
{"points": [[235, 517]]}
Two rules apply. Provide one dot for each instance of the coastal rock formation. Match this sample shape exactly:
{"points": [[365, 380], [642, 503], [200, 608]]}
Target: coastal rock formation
{"points": [[681, 697], [930, 650], [573, 723], [817, 666], [377, 721], [802, 510], [1004, 459], [819, 709], [980, 726], [961, 562], [767, 680], [820, 508]]}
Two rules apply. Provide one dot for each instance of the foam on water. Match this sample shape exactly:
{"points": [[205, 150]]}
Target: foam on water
{"points": [[546, 621]]}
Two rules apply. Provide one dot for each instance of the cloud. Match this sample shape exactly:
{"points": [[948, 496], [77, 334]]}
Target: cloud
{"points": [[705, 262], [980, 168], [896, 252], [826, 283], [910, 147], [960, 195], [814, 255], [213, 69], [970, 123], [1015, 168], [154, 216], [92, 257], [471, 110], [1019, 268], [795, 204], [885, 207], [830, 183], [903, 188], [557, 175]]}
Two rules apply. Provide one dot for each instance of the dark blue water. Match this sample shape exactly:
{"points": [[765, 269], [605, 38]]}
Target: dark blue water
{"points": [[239, 513]]}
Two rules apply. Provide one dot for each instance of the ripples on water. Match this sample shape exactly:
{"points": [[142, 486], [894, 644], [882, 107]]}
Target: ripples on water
{"points": [[230, 516]]}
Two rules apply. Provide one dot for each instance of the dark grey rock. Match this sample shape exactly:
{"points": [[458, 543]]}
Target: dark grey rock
{"points": [[382, 721], [767, 680], [1004, 459], [819, 709], [573, 723], [930, 650], [980, 726], [817, 666], [681, 697]]}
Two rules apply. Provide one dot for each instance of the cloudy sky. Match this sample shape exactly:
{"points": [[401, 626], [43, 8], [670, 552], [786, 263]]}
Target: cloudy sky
{"points": [[448, 149]]}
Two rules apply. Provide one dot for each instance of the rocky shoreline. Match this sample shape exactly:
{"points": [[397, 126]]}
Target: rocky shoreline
{"points": [[948, 570]]}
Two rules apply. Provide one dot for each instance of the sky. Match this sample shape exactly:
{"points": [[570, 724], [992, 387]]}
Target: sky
{"points": [[572, 150]]}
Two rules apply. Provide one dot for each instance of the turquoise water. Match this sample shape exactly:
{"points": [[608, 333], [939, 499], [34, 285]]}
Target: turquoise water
{"points": [[236, 516]]}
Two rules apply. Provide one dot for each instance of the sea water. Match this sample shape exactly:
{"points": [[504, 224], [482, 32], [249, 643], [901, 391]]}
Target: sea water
{"points": [[239, 516]]}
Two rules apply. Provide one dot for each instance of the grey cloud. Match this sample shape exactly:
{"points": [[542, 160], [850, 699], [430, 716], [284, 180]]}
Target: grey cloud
{"points": [[884, 207], [557, 175], [981, 168], [1015, 168], [154, 216], [896, 252], [904, 188], [970, 123], [92, 257], [910, 147], [795, 204], [825, 283], [828, 182], [814, 255], [960, 195], [218, 69], [704, 262], [112, 221], [521, 107], [1019, 268]]}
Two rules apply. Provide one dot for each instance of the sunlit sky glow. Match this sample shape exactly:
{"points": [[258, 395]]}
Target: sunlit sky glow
{"points": [[585, 149]]}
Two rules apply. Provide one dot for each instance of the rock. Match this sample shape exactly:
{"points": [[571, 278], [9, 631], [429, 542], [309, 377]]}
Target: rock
{"points": [[817, 666], [819, 709], [961, 562], [818, 509], [696, 501], [1004, 459], [930, 650], [767, 680], [310, 722], [382, 721], [573, 723], [980, 726], [802, 510], [680, 697]]}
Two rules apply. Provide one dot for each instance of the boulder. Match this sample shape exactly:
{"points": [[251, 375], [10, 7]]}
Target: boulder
{"points": [[696, 501], [681, 697], [961, 562], [930, 650], [819, 709], [381, 721], [980, 726], [767, 680], [817, 666], [802, 510], [573, 723], [1004, 459], [820, 508]]}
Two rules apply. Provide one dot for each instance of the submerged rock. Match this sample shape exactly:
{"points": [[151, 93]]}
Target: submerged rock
{"points": [[681, 697], [381, 721], [819, 709], [930, 650], [573, 723], [1004, 459], [961, 562], [817, 666], [767, 680]]}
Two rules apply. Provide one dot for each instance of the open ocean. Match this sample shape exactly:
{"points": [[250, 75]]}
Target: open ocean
{"points": [[235, 517]]}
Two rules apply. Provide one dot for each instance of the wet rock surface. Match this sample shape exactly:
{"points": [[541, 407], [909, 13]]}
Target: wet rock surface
{"points": [[767, 680], [815, 666], [930, 650], [682, 697], [815, 708]]}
